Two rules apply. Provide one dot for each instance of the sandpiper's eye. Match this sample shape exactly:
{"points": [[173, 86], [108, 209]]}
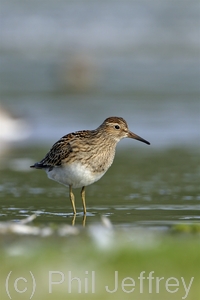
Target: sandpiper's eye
{"points": [[117, 127]]}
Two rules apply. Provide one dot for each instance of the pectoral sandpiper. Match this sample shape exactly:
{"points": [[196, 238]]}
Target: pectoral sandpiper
{"points": [[80, 158]]}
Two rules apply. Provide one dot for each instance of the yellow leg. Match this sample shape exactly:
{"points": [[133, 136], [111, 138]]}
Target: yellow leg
{"points": [[72, 198], [83, 199]]}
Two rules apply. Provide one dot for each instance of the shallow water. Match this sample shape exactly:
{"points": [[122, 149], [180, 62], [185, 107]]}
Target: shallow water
{"points": [[142, 188], [137, 61]]}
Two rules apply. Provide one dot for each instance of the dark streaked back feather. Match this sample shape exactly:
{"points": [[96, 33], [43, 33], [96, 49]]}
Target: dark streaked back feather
{"points": [[61, 150]]}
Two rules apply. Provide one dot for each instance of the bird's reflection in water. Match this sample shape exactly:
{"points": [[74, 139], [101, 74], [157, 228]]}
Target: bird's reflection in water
{"points": [[83, 221]]}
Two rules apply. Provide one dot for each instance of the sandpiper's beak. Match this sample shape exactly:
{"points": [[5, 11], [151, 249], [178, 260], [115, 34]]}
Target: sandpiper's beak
{"points": [[137, 137]]}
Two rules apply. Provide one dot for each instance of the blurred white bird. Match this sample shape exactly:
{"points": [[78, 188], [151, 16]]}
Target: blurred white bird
{"points": [[12, 128]]}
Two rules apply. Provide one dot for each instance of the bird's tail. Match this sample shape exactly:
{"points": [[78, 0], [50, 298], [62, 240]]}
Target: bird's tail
{"points": [[38, 166]]}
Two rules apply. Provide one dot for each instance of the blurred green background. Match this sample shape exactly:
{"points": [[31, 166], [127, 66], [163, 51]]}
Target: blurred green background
{"points": [[66, 66]]}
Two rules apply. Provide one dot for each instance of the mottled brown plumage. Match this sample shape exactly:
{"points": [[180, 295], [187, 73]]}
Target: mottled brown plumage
{"points": [[81, 158]]}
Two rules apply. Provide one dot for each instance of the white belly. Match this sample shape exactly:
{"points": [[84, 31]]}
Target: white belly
{"points": [[74, 174]]}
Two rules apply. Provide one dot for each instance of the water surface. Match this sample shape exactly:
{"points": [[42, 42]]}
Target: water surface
{"points": [[142, 188], [68, 65]]}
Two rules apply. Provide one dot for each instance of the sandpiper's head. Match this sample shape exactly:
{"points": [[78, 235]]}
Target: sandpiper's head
{"points": [[118, 129]]}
